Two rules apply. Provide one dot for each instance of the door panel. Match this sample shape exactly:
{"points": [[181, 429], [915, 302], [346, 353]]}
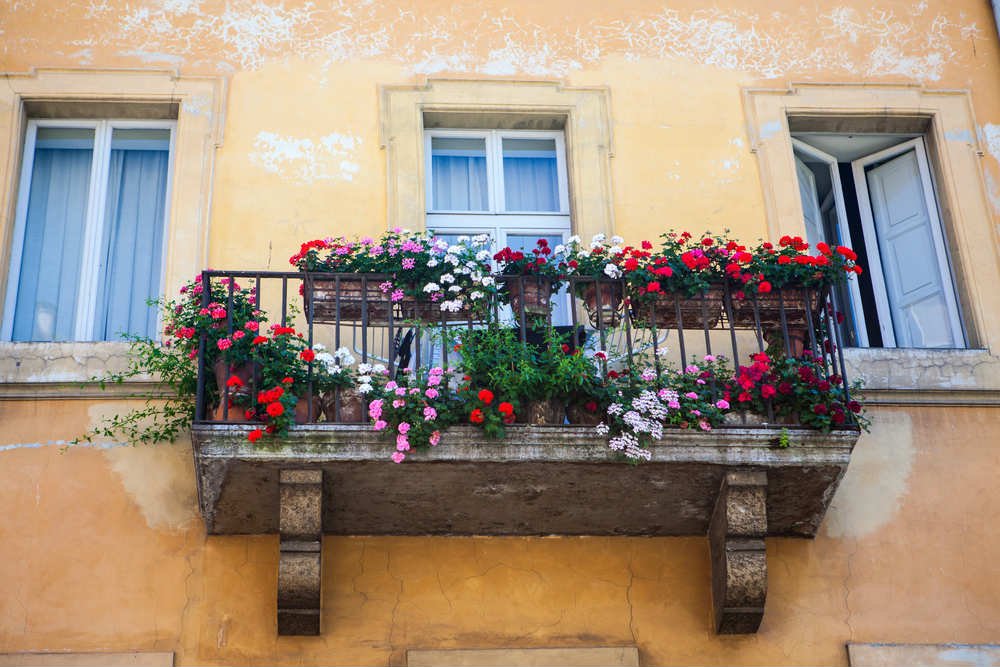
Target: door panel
{"points": [[917, 278]]}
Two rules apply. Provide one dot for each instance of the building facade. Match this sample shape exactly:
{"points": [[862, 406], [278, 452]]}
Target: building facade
{"points": [[146, 141]]}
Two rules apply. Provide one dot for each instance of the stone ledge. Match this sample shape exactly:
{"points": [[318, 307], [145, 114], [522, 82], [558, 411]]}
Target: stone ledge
{"points": [[538, 481]]}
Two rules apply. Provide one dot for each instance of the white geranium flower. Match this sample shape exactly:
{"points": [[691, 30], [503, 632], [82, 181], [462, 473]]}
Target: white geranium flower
{"points": [[364, 369], [462, 240], [583, 254], [319, 347], [378, 368], [476, 294], [455, 288], [447, 279], [617, 240], [455, 250], [487, 281], [559, 249], [481, 239], [452, 259], [432, 287], [574, 240], [451, 306], [612, 271], [597, 240], [483, 255], [441, 244], [364, 388], [431, 263]]}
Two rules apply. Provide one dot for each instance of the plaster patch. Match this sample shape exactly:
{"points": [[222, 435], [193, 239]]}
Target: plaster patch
{"points": [[877, 478], [991, 135], [769, 129], [992, 191], [958, 135], [160, 481], [198, 105], [303, 160]]}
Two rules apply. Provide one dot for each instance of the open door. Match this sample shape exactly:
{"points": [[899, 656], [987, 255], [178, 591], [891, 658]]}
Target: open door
{"points": [[910, 272]]}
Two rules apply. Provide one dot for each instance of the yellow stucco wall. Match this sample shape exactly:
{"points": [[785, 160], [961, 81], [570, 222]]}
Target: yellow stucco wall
{"points": [[102, 548]]}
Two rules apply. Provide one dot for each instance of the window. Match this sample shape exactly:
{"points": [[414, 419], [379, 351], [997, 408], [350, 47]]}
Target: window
{"points": [[89, 230], [508, 184], [875, 193]]}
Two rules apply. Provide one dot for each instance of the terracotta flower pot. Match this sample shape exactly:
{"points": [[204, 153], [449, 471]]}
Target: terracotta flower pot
{"points": [[702, 311], [533, 294], [302, 409], [223, 373], [769, 307], [352, 407], [322, 299], [578, 414], [549, 412], [603, 302]]}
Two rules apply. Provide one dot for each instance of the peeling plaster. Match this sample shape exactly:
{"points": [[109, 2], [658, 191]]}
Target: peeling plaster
{"points": [[158, 479], [470, 37], [302, 160], [61, 443], [877, 479]]}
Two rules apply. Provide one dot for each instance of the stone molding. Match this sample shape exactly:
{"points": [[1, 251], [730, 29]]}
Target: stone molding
{"points": [[300, 561], [200, 119], [588, 140]]}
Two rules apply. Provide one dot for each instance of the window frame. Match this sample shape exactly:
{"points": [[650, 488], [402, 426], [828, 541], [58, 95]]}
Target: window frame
{"points": [[86, 306], [494, 169]]}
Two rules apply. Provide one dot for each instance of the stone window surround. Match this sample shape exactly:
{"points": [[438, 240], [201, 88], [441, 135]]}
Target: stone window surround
{"points": [[197, 103], [583, 113], [946, 120]]}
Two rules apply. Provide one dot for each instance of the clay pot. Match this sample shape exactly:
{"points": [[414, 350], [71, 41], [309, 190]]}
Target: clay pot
{"points": [[578, 415], [533, 294], [702, 311], [302, 409], [322, 296], [223, 372], [550, 412], [352, 407], [603, 302], [769, 307]]}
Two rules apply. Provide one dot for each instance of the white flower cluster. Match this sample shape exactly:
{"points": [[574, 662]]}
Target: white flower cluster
{"points": [[336, 363], [643, 419], [365, 376]]}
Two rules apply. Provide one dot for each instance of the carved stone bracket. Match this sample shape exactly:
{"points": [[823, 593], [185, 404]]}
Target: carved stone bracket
{"points": [[300, 562], [739, 563]]}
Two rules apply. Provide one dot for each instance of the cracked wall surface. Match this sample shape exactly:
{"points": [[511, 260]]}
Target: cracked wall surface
{"points": [[91, 568], [101, 545]]}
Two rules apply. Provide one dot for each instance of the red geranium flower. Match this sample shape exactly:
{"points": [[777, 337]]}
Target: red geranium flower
{"points": [[476, 417], [275, 409], [234, 382], [307, 355], [287, 380], [506, 408], [485, 395], [764, 287], [255, 435]]}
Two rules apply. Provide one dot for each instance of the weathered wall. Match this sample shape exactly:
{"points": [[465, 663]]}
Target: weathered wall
{"points": [[102, 548]]}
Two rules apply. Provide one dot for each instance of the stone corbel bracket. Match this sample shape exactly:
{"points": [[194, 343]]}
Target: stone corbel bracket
{"points": [[300, 563], [739, 562]]}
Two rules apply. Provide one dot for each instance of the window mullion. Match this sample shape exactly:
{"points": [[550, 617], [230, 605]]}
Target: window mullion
{"points": [[495, 152], [86, 307]]}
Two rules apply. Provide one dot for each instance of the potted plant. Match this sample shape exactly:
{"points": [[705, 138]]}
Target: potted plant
{"points": [[338, 382], [288, 372], [406, 275], [529, 279], [414, 410], [595, 274], [798, 391], [678, 285]]}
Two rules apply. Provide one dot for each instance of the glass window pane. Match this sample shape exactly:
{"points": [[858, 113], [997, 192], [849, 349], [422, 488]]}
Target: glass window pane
{"points": [[129, 273], [458, 174], [50, 267], [530, 175]]}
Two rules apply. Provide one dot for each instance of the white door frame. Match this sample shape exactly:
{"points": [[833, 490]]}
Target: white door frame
{"points": [[860, 324], [871, 237]]}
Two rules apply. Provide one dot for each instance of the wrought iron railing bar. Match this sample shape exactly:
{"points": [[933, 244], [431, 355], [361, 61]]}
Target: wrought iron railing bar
{"points": [[199, 408], [727, 305], [680, 329], [784, 321]]}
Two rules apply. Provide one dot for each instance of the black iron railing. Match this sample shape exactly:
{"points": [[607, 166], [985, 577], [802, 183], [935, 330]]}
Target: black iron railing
{"points": [[662, 331]]}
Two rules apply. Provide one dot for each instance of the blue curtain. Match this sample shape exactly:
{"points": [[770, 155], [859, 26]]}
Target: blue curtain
{"points": [[53, 245], [130, 267], [530, 183], [459, 182]]}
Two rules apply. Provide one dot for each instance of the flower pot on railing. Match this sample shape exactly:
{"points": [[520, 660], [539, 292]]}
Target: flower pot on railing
{"points": [[547, 412], [350, 410], [533, 294], [602, 301], [671, 311], [351, 298], [799, 305]]}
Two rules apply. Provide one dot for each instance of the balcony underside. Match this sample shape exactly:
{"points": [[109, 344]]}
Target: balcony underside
{"points": [[538, 481]]}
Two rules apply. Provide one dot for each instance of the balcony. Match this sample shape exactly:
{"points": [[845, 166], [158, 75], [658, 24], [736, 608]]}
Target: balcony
{"points": [[749, 477]]}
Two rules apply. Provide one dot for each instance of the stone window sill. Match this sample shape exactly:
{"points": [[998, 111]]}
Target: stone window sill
{"points": [[919, 370], [41, 370]]}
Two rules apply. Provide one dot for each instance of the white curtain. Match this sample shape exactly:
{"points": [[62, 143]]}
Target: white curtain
{"points": [[133, 236], [530, 183], [459, 182], [53, 245]]}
